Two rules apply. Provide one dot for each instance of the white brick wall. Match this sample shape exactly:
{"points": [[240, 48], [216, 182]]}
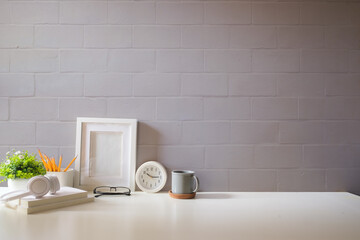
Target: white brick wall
{"points": [[17, 85], [156, 37], [205, 132], [254, 132], [179, 12], [180, 108], [300, 37], [163, 84], [230, 156], [112, 84], [227, 61], [278, 156], [34, 61], [274, 108], [272, 61], [233, 108], [253, 95], [4, 61], [131, 12], [204, 85], [59, 85], [227, 13], [324, 60], [83, 12], [59, 36], [34, 109], [275, 13], [140, 108], [4, 109], [5, 12], [64, 132], [16, 36], [252, 37], [27, 136], [131, 61], [34, 12], [204, 36], [107, 36], [252, 85], [71, 108], [354, 61], [175, 156], [83, 60], [180, 60]]}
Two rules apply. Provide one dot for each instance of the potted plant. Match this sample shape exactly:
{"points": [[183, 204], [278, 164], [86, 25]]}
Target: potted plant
{"points": [[19, 167]]}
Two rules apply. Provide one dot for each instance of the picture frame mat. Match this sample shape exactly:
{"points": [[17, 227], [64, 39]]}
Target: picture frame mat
{"points": [[91, 173]]}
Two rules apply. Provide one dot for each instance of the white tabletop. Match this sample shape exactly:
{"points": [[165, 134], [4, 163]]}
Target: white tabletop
{"points": [[246, 216]]}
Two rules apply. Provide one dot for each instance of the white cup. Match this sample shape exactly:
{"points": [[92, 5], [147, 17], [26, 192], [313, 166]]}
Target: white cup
{"points": [[66, 179]]}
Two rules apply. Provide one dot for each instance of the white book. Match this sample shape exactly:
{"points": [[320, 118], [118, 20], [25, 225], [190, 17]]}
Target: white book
{"points": [[50, 206], [64, 194]]}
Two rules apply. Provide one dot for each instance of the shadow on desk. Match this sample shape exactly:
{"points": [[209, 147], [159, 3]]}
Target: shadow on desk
{"points": [[212, 196]]}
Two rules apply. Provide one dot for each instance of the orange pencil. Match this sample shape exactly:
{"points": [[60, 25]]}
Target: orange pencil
{"points": [[53, 164], [70, 164], [60, 160], [48, 162], [43, 161]]}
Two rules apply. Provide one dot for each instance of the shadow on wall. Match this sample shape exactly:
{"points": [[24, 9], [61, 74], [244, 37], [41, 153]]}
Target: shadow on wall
{"points": [[147, 139], [152, 137], [161, 141]]}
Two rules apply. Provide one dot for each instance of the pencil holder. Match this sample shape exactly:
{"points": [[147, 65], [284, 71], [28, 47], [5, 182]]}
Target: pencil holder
{"points": [[66, 179]]}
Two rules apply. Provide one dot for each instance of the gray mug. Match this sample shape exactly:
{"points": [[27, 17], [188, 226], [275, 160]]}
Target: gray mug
{"points": [[184, 182]]}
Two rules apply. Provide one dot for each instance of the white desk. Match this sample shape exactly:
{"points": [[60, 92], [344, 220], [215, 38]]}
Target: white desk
{"points": [[245, 216]]}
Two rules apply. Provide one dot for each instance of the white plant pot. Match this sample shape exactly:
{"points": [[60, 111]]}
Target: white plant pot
{"points": [[17, 184]]}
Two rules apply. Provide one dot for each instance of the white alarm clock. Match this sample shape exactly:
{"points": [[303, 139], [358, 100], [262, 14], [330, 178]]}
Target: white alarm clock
{"points": [[151, 177]]}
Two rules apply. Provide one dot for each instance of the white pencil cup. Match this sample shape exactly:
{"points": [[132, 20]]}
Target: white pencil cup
{"points": [[66, 179]]}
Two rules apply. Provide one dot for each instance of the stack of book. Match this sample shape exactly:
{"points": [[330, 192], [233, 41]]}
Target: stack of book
{"points": [[65, 197]]}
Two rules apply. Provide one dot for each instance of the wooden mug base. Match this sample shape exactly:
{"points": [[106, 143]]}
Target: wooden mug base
{"points": [[182, 196]]}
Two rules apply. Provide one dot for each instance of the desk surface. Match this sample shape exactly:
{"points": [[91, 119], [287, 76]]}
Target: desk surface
{"points": [[263, 216]]}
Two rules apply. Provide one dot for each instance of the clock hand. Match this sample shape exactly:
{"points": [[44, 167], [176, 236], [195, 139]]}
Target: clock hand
{"points": [[152, 176], [149, 175]]}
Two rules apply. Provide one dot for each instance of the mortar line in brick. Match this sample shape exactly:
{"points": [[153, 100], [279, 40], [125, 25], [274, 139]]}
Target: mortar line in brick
{"points": [[326, 180], [83, 40], [298, 108], [58, 108], [59, 63], [33, 36], [59, 7], [155, 7], [8, 110], [251, 108], [107, 12], [83, 87], [9, 59]]}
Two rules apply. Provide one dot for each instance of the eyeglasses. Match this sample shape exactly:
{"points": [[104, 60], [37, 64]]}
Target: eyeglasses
{"points": [[107, 190]]}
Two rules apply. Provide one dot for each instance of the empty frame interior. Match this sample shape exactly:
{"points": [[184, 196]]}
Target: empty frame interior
{"points": [[107, 153], [103, 147]]}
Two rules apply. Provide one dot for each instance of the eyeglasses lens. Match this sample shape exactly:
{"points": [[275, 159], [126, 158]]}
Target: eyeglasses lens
{"points": [[107, 189]]}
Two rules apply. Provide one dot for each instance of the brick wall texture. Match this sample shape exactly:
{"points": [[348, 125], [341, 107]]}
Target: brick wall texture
{"points": [[252, 95]]}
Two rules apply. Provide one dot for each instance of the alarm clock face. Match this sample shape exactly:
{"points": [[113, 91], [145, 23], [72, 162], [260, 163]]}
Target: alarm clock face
{"points": [[151, 177]]}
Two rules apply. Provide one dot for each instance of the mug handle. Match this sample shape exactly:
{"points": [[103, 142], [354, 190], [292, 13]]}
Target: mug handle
{"points": [[196, 184]]}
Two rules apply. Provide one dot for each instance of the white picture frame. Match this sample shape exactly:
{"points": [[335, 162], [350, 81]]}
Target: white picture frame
{"points": [[106, 152]]}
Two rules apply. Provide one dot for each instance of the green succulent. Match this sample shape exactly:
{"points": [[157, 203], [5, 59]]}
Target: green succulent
{"points": [[20, 164]]}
